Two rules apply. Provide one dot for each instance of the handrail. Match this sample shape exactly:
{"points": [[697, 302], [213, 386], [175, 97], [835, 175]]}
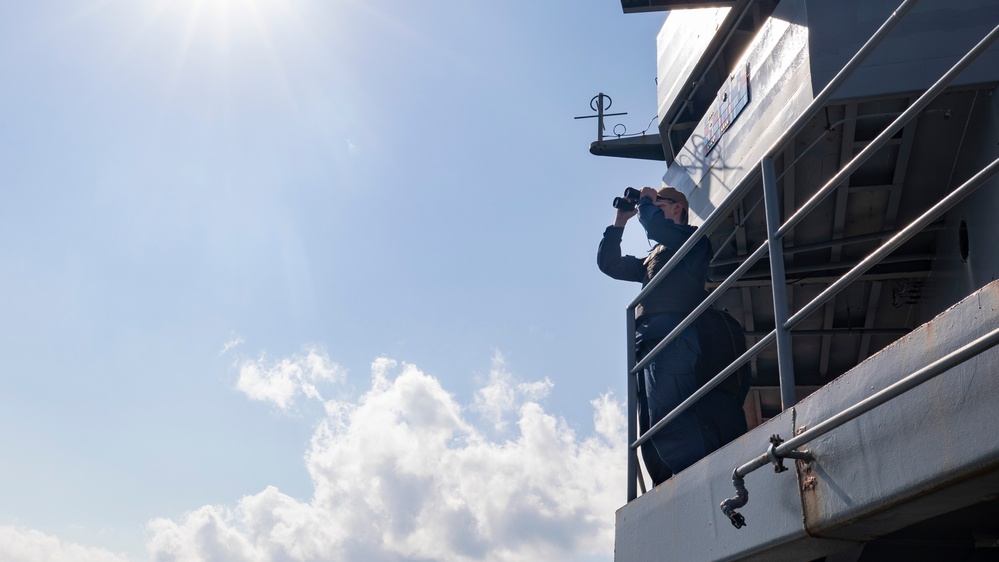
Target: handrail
{"points": [[844, 241], [799, 155], [831, 185], [806, 115], [892, 244], [738, 193], [786, 449], [776, 234]]}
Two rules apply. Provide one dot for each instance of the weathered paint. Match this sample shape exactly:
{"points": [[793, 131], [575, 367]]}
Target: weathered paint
{"points": [[904, 461], [928, 440], [681, 519], [934, 449]]}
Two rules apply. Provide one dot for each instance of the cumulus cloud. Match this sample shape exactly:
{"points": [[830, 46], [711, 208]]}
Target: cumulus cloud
{"points": [[402, 474], [28, 545], [280, 382], [500, 397]]}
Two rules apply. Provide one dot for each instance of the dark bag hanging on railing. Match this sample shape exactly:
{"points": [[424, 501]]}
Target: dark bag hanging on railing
{"points": [[722, 340]]}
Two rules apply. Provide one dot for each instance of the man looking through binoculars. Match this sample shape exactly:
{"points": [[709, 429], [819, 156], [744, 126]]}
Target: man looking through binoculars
{"points": [[671, 376]]}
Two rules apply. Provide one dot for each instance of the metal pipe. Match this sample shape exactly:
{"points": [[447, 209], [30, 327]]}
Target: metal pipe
{"points": [[708, 301], [632, 406], [944, 205], [700, 392], [785, 358], [717, 294], [845, 241], [787, 448], [787, 169], [827, 279], [803, 269], [928, 372], [873, 237], [907, 258], [837, 332]]}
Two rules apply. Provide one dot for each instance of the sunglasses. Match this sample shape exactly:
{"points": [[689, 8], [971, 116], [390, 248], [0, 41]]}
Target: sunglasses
{"points": [[666, 199]]}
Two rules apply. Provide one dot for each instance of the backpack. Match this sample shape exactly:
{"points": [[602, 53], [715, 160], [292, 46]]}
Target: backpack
{"points": [[722, 340]]}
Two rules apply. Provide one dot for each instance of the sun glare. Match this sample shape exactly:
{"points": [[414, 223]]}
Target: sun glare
{"points": [[222, 18], [227, 28]]}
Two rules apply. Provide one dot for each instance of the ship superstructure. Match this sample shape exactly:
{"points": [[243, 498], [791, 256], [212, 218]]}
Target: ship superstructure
{"points": [[842, 157]]}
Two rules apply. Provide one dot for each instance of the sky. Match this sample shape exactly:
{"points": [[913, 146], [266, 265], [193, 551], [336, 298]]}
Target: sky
{"points": [[313, 280]]}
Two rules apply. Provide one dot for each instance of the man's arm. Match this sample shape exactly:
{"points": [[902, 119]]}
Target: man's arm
{"points": [[659, 228], [609, 258]]}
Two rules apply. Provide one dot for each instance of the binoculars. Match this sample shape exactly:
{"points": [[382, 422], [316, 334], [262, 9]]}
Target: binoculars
{"points": [[628, 202]]}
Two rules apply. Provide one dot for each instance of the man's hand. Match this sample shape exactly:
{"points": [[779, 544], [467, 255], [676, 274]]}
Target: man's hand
{"points": [[650, 193], [622, 216]]}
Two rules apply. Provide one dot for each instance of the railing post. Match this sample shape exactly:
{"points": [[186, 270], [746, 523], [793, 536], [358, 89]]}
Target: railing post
{"points": [[785, 359], [632, 408]]}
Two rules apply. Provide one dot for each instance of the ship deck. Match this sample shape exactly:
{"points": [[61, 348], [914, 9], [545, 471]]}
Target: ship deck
{"points": [[851, 166], [932, 451]]}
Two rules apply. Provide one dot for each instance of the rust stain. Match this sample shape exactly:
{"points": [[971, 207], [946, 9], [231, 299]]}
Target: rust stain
{"points": [[809, 483], [930, 334], [809, 496], [808, 479]]}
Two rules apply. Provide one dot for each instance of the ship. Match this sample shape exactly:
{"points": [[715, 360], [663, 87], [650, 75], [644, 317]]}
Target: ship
{"points": [[842, 158]]}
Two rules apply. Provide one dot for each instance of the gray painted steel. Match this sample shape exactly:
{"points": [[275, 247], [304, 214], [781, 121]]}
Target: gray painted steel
{"points": [[684, 39], [780, 91], [870, 476], [795, 55], [934, 36], [798, 119], [951, 276], [902, 462], [779, 282]]}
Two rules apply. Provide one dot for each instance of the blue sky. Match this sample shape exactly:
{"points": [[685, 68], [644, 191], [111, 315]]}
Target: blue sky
{"points": [[238, 236]]}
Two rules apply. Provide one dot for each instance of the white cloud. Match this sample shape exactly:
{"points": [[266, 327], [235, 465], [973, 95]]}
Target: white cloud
{"points": [[500, 397], [401, 474], [27, 545], [282, 381], [231, 344]]}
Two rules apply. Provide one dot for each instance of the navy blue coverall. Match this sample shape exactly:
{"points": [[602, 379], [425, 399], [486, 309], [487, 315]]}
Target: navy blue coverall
{"points": [[670, 377]]}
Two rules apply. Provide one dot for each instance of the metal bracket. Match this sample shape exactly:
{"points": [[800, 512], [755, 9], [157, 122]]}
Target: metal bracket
{"points": [[777, 461]]}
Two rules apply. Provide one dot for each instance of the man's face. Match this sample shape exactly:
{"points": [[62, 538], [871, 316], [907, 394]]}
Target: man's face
{"points": [[672, 208]]}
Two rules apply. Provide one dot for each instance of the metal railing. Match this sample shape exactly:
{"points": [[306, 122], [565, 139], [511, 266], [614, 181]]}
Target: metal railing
{"points": [[780, 450], [776, 231]]}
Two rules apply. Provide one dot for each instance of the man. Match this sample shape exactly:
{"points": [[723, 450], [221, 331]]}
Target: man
{"points": [[670, 377]]}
